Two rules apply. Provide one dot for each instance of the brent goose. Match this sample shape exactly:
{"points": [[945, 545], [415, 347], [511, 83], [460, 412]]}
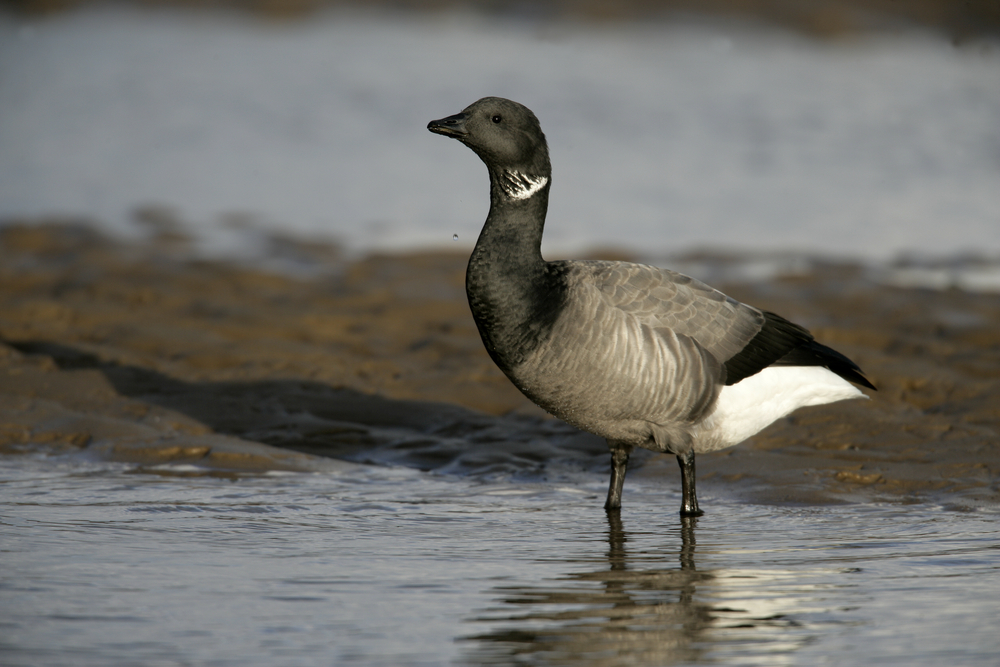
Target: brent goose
{"points": [[639, 355]]}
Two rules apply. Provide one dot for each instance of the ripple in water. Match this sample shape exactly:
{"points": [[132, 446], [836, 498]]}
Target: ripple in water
{"points": [[388, 566]]}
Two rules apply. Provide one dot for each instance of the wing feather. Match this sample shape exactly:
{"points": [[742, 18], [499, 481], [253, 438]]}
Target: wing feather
{"points": [[669, 301], [744, 339]]}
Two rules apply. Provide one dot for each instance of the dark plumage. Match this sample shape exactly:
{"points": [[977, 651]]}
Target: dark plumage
{"points": [[639, 355]]}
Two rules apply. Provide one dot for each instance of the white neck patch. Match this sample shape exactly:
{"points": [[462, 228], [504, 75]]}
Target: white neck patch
{"points": [[521, 186]]}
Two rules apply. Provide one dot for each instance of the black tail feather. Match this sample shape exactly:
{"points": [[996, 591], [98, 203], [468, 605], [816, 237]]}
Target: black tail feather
{"points": [[784, 343], [776, 338], [816, 354]]}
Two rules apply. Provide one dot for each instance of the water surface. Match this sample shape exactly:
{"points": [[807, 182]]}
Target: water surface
{"points": [[104, 565]]}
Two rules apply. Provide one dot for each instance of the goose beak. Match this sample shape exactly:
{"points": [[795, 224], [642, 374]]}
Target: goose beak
{"points": [[452, 126]]}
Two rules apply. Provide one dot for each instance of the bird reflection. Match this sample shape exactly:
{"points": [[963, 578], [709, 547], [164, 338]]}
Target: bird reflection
{"points": [[637, 608]]}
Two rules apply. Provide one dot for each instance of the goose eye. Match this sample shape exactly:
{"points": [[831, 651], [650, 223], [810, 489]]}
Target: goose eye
{"points": [[496, 118]]}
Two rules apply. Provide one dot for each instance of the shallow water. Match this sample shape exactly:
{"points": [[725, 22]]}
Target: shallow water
{"points": [[393, 566]]}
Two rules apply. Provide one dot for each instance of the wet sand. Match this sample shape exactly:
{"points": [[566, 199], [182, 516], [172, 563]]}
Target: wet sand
{"points": [[136, 352]]}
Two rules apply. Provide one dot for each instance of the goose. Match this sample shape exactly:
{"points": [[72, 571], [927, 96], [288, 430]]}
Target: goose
{"points": [[638, 355]]}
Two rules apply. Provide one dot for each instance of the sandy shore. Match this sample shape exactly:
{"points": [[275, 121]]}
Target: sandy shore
{"points": [[135, 352]]}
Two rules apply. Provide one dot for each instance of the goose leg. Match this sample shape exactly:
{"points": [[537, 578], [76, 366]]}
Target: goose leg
{"points": [[689, 500], [619, 462]]}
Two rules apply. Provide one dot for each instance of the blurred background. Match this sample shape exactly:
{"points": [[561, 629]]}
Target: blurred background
{"points": [[842, 128]]}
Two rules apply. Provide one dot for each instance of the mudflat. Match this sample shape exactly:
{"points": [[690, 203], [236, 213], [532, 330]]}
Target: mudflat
{"points": [[139, 352]]}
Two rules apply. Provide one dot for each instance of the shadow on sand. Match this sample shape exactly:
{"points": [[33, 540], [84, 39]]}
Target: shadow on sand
{"points": [[318, 419]]}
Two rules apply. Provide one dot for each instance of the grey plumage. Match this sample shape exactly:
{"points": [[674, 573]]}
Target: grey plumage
{"points": [[633, 353], [650, 354]]}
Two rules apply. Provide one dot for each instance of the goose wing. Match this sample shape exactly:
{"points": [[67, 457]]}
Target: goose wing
{"points": [[634, 346], [742, 338]]}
